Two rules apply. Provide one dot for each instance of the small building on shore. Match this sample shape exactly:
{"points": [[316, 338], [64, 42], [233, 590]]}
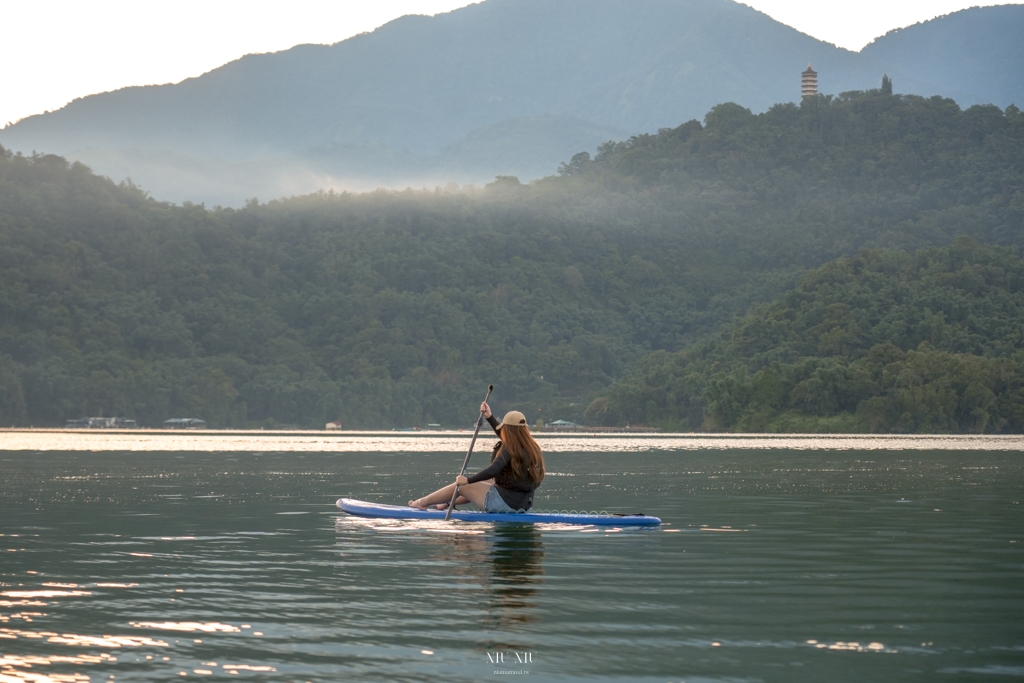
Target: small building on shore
{"points": [[184, 423], [101, 423]]}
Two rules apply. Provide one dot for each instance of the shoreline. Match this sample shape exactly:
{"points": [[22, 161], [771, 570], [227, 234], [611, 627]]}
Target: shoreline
{"points": [[448, 433], [264, 441]]}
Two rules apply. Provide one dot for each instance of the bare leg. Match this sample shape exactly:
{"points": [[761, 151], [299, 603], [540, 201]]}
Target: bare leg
{"points": [[474, 493], [461, 500]]}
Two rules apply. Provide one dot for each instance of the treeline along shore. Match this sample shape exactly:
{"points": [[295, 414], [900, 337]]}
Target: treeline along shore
{"points": [[847, 264]]}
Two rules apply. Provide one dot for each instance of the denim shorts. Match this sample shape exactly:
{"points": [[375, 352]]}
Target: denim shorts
{"points": [[493, 502]]}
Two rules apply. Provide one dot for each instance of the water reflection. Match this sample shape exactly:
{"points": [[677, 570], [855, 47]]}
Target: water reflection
{"points": [[517, 560], [504, 562], [189, 626]]}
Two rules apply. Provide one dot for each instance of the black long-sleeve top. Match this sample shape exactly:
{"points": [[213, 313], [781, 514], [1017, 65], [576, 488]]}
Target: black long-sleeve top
{"points": [[517, 492]]}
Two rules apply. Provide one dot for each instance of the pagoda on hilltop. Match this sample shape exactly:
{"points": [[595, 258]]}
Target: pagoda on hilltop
{"points": [[809, 82]]}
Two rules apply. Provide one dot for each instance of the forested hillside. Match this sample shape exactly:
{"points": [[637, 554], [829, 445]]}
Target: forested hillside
{"points": [[396, 308], [885, 341]]}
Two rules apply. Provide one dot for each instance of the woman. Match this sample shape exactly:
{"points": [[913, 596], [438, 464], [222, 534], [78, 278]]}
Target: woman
{"points": [[508, 483]]}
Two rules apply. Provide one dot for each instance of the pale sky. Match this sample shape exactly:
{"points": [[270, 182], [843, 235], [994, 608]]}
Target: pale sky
{"points": [[52, 51]]}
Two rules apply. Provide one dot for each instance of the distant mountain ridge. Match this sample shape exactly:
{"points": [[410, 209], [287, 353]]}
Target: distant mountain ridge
{"points": [[500, 87], [977, 53]]}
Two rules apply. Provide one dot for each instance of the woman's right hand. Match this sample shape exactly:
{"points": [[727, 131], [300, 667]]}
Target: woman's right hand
{"points": [[485, 409]]}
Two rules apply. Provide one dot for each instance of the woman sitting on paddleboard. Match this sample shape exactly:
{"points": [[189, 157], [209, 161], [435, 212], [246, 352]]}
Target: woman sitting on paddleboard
{"points": [[508, 483]]}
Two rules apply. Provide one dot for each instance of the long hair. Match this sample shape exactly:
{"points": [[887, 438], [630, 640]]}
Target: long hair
{"points": [[527, 457]]}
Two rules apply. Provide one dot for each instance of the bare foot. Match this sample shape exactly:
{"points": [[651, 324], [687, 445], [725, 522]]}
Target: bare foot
{"points": [[441, 506], [416, 504]]}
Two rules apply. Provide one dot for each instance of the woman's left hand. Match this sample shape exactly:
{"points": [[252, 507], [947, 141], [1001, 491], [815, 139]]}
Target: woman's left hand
{"points": [[461, 481]]}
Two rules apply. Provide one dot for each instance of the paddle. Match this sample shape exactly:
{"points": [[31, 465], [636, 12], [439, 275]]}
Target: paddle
{"points": [[465, 463]]}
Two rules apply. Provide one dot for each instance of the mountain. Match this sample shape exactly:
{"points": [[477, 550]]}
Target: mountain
{"points": [[507, 87], [975, 55]]}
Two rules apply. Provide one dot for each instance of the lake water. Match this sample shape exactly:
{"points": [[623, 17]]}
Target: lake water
{"points": [[151, 557]]}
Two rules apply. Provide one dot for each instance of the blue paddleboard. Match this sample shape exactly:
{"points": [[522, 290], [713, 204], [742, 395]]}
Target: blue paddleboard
{"points": [[361, 508]]}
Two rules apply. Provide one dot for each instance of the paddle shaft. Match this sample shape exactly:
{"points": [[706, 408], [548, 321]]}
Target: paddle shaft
{"points": [[465, 463]]}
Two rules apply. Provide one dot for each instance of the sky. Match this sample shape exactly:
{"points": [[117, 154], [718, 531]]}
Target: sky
{"points": [[52, 51]]}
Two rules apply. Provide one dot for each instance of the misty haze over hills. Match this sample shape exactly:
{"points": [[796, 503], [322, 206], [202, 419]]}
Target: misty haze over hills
{"points": [[507, 87]]}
